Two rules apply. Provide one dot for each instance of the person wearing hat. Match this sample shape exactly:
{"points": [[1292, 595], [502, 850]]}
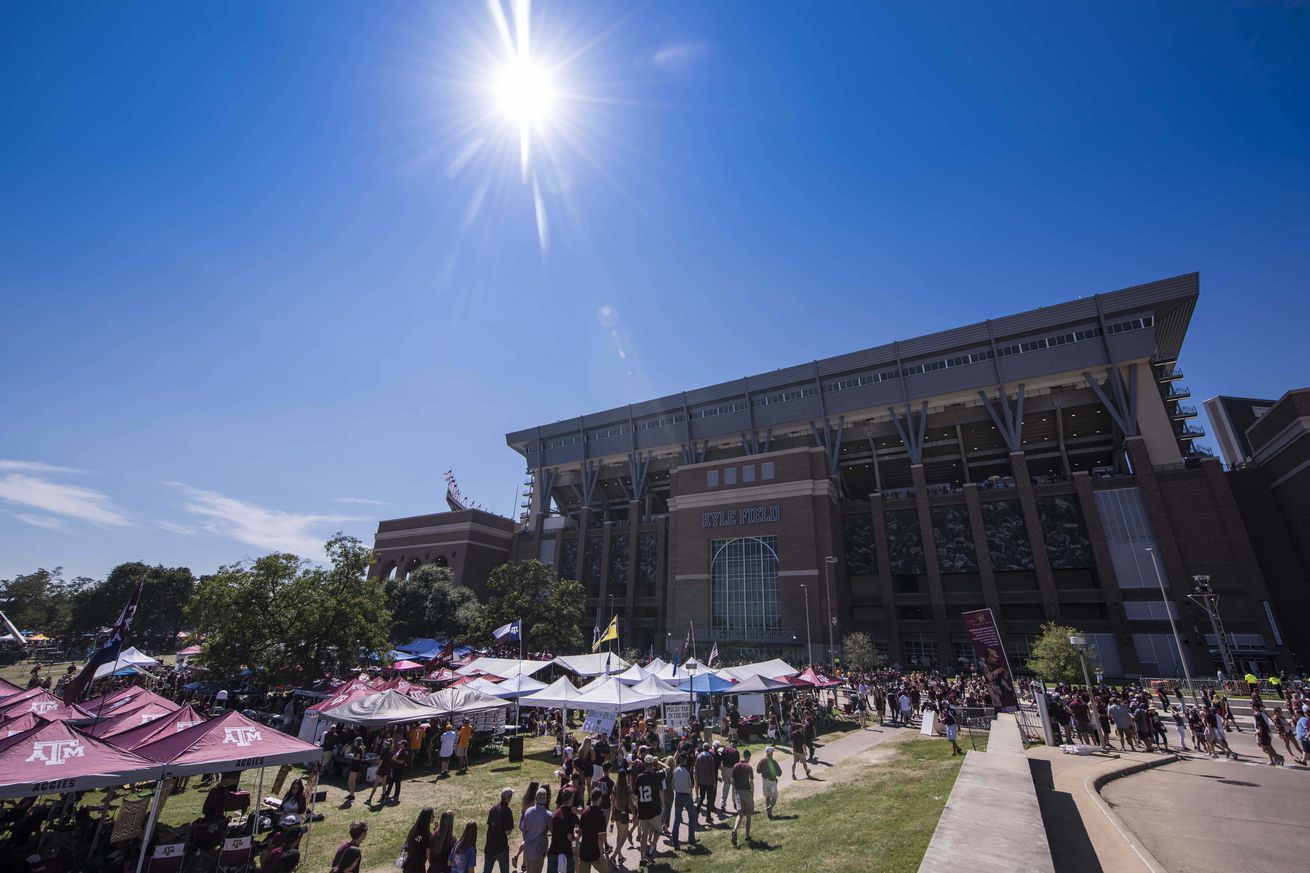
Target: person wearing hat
{"points": [[500, 824], [770, 772]]}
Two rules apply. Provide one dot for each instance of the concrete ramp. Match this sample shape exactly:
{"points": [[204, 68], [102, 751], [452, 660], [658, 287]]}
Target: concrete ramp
{"points": [[992, 821]]}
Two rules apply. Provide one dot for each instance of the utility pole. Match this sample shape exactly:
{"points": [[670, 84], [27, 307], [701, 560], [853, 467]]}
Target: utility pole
{"points": [[1164, 597], [809, 642], [828, 563]]}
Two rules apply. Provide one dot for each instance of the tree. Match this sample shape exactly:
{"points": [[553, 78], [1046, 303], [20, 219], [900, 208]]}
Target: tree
{"points": [[287, 620], [428, 603], [1055, 659], [550, 607], [858, 652], [41, 600], [160, 614]]}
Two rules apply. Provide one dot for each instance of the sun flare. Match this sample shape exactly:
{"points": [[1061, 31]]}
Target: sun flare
{"points": [[525, 92]]}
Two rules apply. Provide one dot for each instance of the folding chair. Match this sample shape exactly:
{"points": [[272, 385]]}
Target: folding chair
{"points": [[236, 854], [167, 858]]}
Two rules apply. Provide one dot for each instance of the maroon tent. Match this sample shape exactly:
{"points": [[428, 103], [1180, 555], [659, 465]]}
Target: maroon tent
{"points": [[133, 698], [229, 742], [7, 688], [349, 692], [818, 680], [134, 717], [35, 700], [22, 723], [55, 757], [161, 727]]}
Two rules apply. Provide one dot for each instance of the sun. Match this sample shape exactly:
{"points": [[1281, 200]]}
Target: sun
{"points": [[525, 93]]}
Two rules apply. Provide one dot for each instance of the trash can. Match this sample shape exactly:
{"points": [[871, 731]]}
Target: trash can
{"points": [[515, 749]]}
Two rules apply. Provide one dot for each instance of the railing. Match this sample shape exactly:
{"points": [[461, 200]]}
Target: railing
{"points": [[1169, 374], [1177, 392], [1183, 410], [896, 493], [1051, 479], [1191, 430], [993, 483]]}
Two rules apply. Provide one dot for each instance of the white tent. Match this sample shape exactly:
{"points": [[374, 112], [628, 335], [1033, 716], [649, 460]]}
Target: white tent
{"points": [[656, 665], [593, 684], [759, 684], [671, 673], [666, 692], [384, 708], [559, 694], [612, 696], [769, 669], [512, 688], [462, 700], [597, 664], [129, 657], [633, 675], [502, 667], [483, 686]]}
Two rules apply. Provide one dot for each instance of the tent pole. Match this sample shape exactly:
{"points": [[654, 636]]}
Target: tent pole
{"points": [[259, 802], [150, 824]]}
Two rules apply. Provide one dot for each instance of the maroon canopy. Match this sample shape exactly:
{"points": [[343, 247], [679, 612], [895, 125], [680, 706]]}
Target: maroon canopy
{"points": [[34, 700], [134, 717], [7, 688], [161, 727], [817, 679], [125, 701], [12, 726], [347, 693], [229, 742], [55, 757]]}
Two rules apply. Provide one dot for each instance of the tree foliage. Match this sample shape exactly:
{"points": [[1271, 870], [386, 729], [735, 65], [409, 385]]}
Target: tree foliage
{"points": [[550, 607], [858, 652], [41, 600], [160, 614], [428, 603], [286, 619], [1055, 659]]}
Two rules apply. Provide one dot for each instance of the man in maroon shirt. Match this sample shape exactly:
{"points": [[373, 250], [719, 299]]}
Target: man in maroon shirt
{"points": [[500, 823], [562, 825], [591, 845], [743, 789]]}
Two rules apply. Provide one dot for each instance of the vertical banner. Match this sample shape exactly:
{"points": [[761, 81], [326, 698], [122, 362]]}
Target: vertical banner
{"points": [[988, 649]]}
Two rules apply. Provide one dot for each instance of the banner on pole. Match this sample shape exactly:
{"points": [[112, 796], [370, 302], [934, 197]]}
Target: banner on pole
{"points": [[599, 721], [987, 648]]}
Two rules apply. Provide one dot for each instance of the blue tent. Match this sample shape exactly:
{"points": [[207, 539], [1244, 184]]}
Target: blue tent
{"points": [[704, 683], [422, 644]]}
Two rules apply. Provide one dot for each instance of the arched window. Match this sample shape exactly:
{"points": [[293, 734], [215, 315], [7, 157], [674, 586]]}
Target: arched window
{"points": [[744, 585]]}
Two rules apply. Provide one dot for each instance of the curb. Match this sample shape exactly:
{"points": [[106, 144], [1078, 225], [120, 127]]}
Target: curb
{"points": [[1093, 785]]}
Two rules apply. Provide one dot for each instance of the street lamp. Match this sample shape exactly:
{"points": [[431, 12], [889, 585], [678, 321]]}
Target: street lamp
{"points": [[1205, 597], [809, 642], [1187, 674], [828, 563], [1079, 642]]}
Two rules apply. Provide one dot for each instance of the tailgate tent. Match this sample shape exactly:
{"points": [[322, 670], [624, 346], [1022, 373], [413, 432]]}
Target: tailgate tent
{"points": [[775, 669], [126, 721], [20, 724], [503, 667], [670, 673], [705, 683], [559, 694], [153, 730], [129, 657], [633, 675], [614, 696], [120, 702], [229, 742], [759, 685], [54, 757], [512, 688], [598, 664], [461, 701], [818, 680], [37, 701], [7, 688], [381, 708], [666, 692]]}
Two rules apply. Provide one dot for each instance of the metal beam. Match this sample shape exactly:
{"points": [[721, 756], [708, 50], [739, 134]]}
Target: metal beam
{"points": [[1124, 414]]}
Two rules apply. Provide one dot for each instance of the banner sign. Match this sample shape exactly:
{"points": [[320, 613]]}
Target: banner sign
{"points": [[599, 722], [987, 648], [677, 715], [488, 719]]}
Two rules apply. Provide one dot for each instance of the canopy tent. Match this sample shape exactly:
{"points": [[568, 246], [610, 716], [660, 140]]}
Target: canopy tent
{"points": [[135, 698], [613, 696], [37, 701], [129, 657], [671, 673], [189, 651], [559, 694], [759, 685], [406, 664], [512, 688], [693, 663], [229, 742], [505, 667], [462, 701], [404, 686], [163, 726], [442, 674], [382, 708], [595, 664], [7, 688], [704, 683], [633, 675], [55, 757], [421, 644], [482, 685], [666, 692], [354, 692], [818, 680], [593, 684], [655, 665], [125, 721], [798, 682], [467, 680], [775, 669], [21, 723], [425, 649]]}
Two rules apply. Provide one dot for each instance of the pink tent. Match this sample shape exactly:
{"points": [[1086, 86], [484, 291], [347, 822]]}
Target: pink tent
{"points": [[350, 691], [7, 688], [189, 651], [54, 757], [134, 717], [818, 680], [134, 699], [35, 700], [402, 666], [442, 674], [20, 724], [161, 727], [229, 742]]}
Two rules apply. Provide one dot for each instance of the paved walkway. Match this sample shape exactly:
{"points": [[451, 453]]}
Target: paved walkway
{"points": [[829, 756]]}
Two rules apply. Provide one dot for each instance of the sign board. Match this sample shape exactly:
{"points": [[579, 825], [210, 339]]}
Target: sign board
{"points": [[598, 722], [131, 821], [677, 715], [744, 515], [928, 723], [488, 719], [987, 648]]}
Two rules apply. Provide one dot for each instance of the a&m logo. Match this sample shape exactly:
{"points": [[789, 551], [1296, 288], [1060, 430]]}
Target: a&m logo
{"points": [[56, 752], [241, 736], [183, 725], [41, 707]]}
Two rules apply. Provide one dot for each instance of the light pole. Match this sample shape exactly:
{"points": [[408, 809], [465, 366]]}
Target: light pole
{"points": [[1080, 643], [1164, 596], [828, 563], [809, 642], [1209, 601]]}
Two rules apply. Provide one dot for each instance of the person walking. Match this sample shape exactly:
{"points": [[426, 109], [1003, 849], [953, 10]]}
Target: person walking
{"points": [[621, 812], [349, 856], [1284, 731], [534, 825], [414, 858], [1180, 725], [446, 748], [382, 774], [500, 824], [952, 727], [707, 775], [797, 738], [743, 790], [563, 825], [591, 839], [648, 788], [682, 783], [443, 840], [465, 741], [356, 767], [729, 756], [464, 857], [399, 758], [770, 772]]}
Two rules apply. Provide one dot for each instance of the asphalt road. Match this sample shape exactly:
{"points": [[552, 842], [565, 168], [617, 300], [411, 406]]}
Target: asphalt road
{"points": [[1218, 815]]}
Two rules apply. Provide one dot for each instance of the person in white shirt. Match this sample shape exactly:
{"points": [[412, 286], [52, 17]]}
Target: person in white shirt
{"points": [[447, 748], [905, 704]]}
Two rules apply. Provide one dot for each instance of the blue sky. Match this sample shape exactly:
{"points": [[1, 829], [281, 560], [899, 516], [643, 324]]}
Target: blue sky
{"points": [[268, 270]]}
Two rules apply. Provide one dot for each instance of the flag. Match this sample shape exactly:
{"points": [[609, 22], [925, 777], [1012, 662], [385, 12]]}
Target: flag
{"points": [[507, 633], [108, 653], [686, 644], [714, 656], [447, 653], [650, 656], [611, 633]]}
